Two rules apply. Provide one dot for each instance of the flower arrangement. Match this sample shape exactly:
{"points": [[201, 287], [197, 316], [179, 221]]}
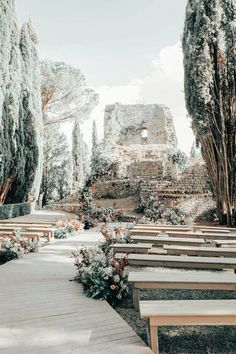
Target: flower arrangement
{"points": [[13, 247], [103, 276], [66, 228], [92, 214]]}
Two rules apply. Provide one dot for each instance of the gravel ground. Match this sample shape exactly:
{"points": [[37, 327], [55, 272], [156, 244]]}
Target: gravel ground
{"points": [[186, 339]]}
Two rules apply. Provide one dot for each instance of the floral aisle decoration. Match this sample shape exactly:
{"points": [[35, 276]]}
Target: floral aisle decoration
{"points": [[15, 247], [67, 228], [100, 273]]}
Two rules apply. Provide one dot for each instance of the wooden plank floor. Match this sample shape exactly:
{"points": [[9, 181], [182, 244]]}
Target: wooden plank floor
{"points": [[41, 311]]}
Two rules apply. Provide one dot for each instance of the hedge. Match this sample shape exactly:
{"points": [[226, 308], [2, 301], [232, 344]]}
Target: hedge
{"points": [[13, 210]]}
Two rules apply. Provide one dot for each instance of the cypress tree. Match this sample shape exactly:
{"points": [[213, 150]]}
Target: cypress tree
{"points": [[210, 87]]}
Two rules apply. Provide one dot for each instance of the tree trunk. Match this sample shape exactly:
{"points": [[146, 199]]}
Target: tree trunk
{"points": [[5, 187]]}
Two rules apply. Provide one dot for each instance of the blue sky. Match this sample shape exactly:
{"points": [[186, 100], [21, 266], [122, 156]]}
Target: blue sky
{"points": [[127, 49]]}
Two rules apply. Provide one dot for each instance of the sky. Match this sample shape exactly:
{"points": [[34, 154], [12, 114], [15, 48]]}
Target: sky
{"points": [[128, 50]]}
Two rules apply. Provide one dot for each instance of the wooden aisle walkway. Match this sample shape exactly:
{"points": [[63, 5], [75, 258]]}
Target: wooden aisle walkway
{"points": [[42, 312]]}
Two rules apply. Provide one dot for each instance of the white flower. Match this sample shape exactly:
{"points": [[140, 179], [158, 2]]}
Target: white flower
{"points": [[116, 278], [108, 271]]}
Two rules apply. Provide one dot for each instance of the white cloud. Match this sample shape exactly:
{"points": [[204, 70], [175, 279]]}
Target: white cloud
{"points": [[164, 84]]}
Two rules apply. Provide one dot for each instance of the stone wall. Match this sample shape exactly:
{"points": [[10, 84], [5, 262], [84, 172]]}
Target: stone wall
{"points": [[139, 161], [194, 180], [123, 124], [190, 191], [70, 207], [116, 189]]}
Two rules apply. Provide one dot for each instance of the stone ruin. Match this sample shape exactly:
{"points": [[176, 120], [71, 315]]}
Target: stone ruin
{"points": [[141, 140], [143, 165]]}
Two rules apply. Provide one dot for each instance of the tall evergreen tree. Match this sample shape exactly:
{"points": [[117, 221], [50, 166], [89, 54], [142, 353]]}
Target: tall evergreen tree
{"points": [[94, 146], [56, 180], [20, 110], [209, 45], [77, 156]]}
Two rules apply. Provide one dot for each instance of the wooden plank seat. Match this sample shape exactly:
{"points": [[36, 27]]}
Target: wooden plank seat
{"points": [[162, 228], [145, 232], [200, 251], [153, 260], [225, 243], [165, 240], [29, 235], [15, 224], [45, 232], [197, 228], [132, 248], [186, 313], [211, 236], [184, 280], [28, 222], [218, 231]]}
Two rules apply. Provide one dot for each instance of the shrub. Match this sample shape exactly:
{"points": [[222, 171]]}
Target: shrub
{"points": [[13, 210], [103, 276], [155, 211], [15, 247], [180, 159], [208, 215]]}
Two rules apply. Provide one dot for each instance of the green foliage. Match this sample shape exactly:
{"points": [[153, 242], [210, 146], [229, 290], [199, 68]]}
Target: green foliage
{"points": [[179, 158], [209, 215], [102, 167], [13, 210], [62, 232], [155, 211], [210, 91], [92, 214], [26, 156], [102, 276], [56, 166], [7, 150]]}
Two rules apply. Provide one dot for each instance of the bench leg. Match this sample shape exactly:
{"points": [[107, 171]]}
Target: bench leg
{"points": [[154, 339], [136, 298]]}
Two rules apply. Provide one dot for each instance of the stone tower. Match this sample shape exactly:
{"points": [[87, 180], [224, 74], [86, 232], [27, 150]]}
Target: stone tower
{"points": [[124, 124], [141, 139]]}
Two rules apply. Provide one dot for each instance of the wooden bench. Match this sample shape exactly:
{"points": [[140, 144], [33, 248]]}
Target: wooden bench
{"points": [[186, 313], [218, 231], [28, 235], [47, 232], [15, 224], [225, 243], [213, 228], [184, 280], [162, 240], [132, 248], [30, 222], [162, 228], [145, 232], [200, 251], [211, 236], [151, 260]]}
